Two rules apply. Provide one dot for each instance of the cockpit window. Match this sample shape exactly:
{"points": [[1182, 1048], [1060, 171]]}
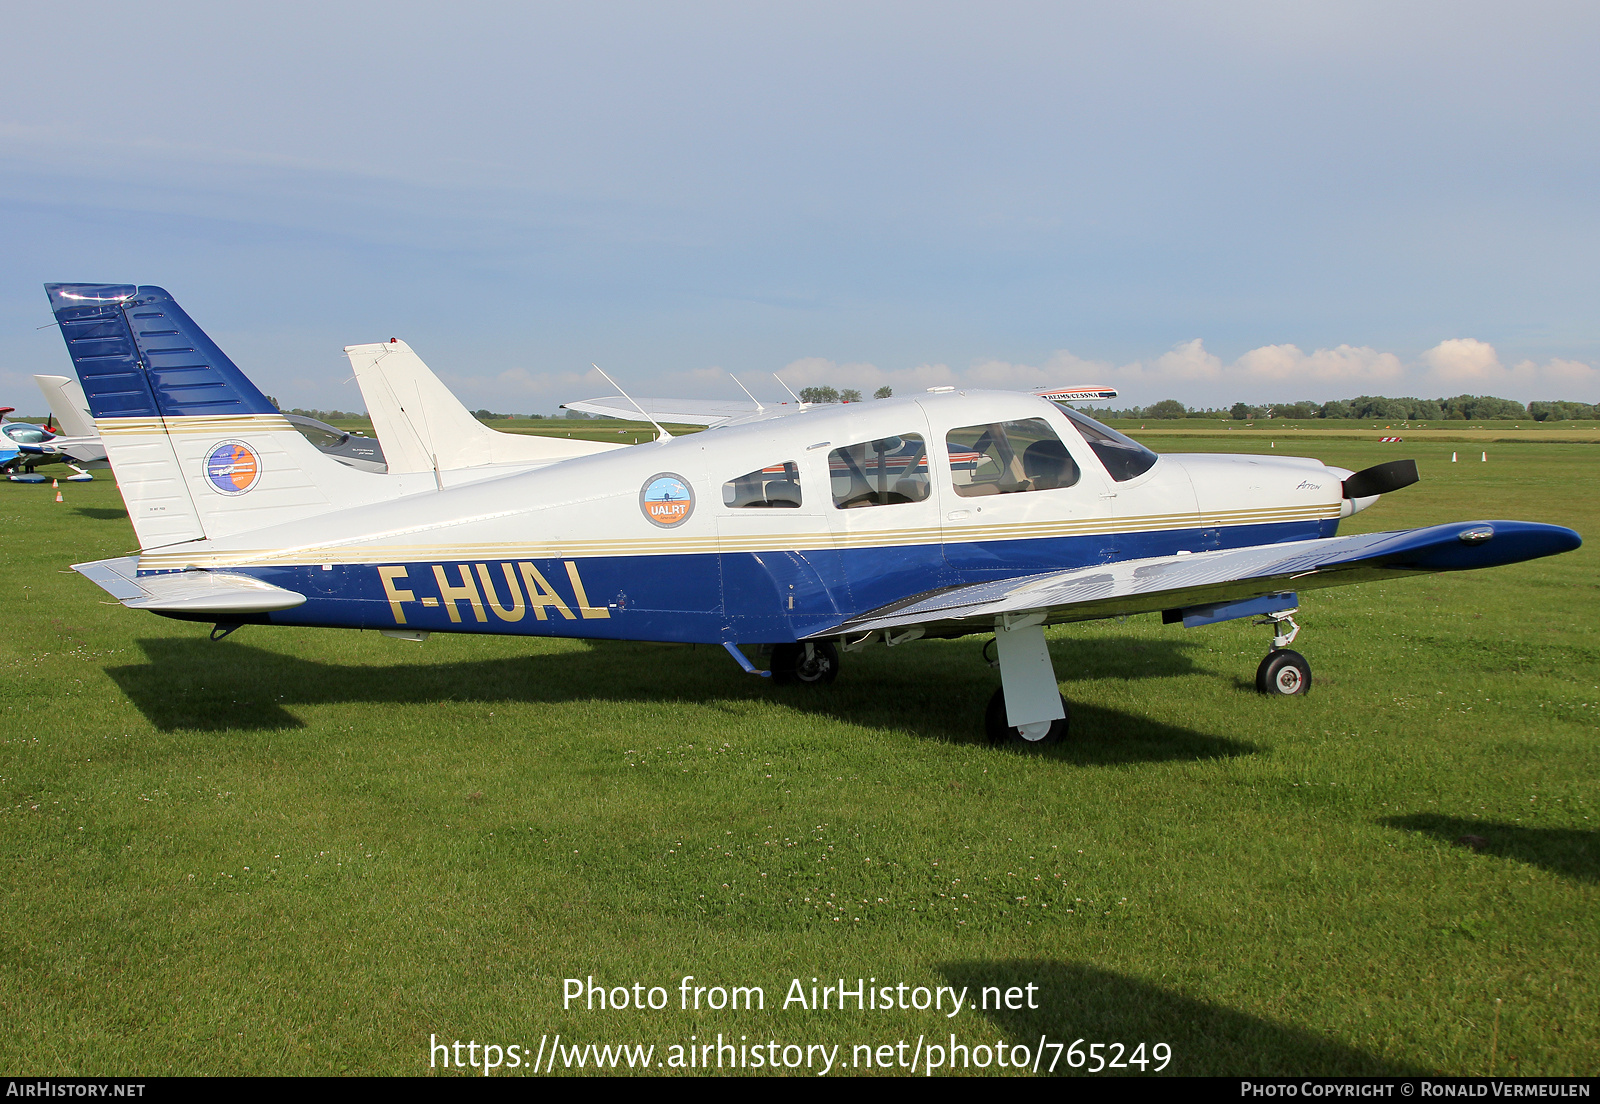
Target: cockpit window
{"points": [[776, 485], [1007, 457], [884, 472], [24, 434], [1123, 457]]}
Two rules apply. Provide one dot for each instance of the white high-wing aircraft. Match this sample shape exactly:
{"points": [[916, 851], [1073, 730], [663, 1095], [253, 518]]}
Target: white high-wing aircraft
{"points": [[810, 530]]}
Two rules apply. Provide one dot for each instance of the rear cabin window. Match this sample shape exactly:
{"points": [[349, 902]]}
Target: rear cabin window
{"points": [[884, 472], [1123, 457], [1007, 457], [776, 485]]}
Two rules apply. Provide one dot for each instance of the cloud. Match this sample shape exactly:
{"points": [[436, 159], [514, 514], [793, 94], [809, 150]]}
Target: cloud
{"points": [[1464, 360], [1473, 365], [1188, 372]]}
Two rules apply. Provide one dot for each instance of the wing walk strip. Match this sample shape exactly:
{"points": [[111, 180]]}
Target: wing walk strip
{"points": [[397, 552]]}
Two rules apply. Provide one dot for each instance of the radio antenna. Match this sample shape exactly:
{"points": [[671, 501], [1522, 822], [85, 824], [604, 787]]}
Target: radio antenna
{"points": [[759, 408], [789, 389], [665, 436]]}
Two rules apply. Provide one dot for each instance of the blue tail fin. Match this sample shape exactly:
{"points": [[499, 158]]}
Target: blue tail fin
{"points": [[138, 355]]}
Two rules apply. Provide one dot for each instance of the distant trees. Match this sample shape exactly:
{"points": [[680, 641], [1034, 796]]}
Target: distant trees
{"points": [[489, 416], [884, 392], [1561, 411], [325, 415], [1382, 408], [1166, 408], [818, 395], [849, 395]]}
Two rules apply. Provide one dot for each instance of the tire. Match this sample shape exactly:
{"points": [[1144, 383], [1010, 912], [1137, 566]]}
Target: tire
{"points": [[790, 666], [1000, 733], [1283, 674]]}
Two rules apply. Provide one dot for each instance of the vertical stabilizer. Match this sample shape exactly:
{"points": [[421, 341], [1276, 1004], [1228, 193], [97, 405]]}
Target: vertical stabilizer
{"points": [[68, 405], [423, 426], [198, 451]]}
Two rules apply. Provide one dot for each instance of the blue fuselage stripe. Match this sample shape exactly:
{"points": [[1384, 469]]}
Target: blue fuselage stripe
{"points": [[744, 597]]}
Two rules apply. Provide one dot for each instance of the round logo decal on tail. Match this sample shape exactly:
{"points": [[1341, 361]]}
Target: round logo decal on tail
{"points": [[232, 467], [667, 499]]}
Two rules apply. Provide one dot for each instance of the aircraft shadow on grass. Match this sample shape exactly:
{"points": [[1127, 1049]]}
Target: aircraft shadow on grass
{"points": [[1079, 1001], [101, 513], [197, 685], [1570, 852]]}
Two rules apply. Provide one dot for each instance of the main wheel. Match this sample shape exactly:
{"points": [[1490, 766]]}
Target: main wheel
{"points": [[1035, 735], [1283, 672], [791, 664]]}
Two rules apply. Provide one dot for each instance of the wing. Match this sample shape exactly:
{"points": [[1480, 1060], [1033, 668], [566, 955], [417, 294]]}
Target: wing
{"points": [[700, 412], [1215, 586]]}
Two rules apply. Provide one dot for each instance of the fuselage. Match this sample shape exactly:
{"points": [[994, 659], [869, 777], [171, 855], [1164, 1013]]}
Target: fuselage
{"points": [[774, 530]]}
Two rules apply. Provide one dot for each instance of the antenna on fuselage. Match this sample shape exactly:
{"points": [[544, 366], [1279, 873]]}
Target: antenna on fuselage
{"points": [[789, 389], [759, 408], [665, 436]]}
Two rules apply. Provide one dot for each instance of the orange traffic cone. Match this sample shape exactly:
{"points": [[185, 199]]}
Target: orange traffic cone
{"points": [[55, 484], [59, 498]]}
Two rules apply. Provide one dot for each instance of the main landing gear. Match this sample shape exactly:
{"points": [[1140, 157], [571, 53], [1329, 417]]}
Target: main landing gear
{"points": [[812, 663], [1028, 709], [1283, 672]]}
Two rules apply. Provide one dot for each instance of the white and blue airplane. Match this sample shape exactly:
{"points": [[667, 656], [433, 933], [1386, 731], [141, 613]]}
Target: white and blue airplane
{"points": [[801, 531]]}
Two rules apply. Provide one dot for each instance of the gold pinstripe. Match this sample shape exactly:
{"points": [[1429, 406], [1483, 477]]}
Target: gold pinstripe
{"points": [[377, 552], [218, 425]]}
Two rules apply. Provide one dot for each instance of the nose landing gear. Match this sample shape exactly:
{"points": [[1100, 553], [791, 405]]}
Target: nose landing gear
{"points": [[1284, 671]]}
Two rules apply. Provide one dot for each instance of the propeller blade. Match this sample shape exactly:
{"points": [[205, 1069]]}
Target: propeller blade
{"points": [[1381, 479]]}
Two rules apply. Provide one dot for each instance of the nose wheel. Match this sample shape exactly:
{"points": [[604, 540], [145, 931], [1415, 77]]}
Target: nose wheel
{"points": [[1283, 672]]}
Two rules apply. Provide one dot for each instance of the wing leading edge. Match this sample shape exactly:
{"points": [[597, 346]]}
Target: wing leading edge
{"points": [[1212, 579]]}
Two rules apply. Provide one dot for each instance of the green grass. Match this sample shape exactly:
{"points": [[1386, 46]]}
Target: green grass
{"points": [[302, 851]]}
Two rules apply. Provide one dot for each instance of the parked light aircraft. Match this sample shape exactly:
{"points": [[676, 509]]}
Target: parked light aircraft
{"points": [[812, 530], [24, 446]]}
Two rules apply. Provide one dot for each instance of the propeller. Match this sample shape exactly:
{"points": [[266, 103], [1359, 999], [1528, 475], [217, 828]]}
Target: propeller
{"points": [[1381, 479]]}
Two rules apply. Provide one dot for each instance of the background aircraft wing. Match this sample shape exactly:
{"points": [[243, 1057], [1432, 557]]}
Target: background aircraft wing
{"points": [[1215, 586], [700, 412]]}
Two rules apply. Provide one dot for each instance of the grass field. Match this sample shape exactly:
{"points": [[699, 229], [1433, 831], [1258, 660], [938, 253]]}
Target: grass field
{"points": [[304, 851]]}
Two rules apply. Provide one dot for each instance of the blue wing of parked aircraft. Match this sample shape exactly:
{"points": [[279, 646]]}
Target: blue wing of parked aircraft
{"points": [[1202, 585]]}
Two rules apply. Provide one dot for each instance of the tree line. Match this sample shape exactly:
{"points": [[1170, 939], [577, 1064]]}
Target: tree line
{"points": [[1461, 408]]}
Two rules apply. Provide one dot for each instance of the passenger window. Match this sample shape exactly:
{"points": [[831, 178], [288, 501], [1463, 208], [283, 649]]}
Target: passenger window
{"points": [[884, 472], [776, 485], [1007, 457]]}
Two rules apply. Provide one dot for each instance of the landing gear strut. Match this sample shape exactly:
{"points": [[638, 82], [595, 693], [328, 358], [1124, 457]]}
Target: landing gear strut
{"points": [[1284, 671], [1028, 708]]}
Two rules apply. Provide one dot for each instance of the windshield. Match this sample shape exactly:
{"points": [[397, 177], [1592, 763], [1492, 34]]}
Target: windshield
{"points": [[1123, 457], [25, 434]]}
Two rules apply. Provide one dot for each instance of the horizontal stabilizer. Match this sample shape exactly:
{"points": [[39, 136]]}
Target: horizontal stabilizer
{"points": [[190, 592]]}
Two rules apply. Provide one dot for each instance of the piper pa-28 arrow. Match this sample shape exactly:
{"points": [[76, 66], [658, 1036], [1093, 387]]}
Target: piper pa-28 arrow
{"points": [[806, 530]]}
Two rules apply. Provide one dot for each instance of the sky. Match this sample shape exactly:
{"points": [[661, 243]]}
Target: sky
{"points": [[1232, 201]]}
